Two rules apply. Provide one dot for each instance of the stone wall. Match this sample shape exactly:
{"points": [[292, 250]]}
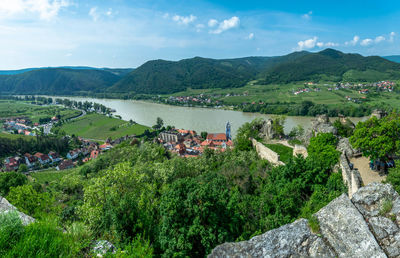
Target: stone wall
{"points": [[348, 227], [351, 178], [300, 150], [266, 153]]}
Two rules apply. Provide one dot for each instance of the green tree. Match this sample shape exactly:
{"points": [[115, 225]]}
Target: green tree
{"points": [[29, 201], [23, 168], [159, 123], [323, 148], [11, 179], [204, 135], [378, 138], [196, 215]]}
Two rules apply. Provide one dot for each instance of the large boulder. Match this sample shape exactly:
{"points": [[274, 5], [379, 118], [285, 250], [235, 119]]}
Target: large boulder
{"points": [[5, 207], [320, 124], [380, 206], [344, 228], [291, 240]]}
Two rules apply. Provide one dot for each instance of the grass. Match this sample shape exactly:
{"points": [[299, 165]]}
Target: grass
{"points": [[314, 224], [100, 127], [12, 108], [285, 153], [51, 175], [386, 207], [14, 136]]}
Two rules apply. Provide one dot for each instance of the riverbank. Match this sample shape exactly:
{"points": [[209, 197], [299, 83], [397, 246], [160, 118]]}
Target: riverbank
{"points": [[194, 118]]}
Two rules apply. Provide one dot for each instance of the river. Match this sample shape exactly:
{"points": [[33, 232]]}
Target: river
{"points": [[193, 118]]}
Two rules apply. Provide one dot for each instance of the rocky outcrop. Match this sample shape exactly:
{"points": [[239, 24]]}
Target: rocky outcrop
{"points": [[320, 124], [266, 153], [345, 147], [290, 240], [103, 247], [346, 231], [367, 225], [5, 207], [266, 130]]}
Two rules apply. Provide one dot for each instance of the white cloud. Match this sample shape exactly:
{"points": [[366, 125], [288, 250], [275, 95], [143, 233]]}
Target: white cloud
{"points": [[199, 27], [166, 15], [307, 44], [110, 12], [379, 39], [185, 20], [212, 23], [307, 16], [250, 36], [94, 14], [366, 42], [320, 44], [353, 42], [47, 9], [331, 44], [392, 35], [228, 24]]}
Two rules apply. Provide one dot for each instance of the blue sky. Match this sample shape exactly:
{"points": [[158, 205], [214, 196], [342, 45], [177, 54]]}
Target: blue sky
{"points": [[127, 33]]}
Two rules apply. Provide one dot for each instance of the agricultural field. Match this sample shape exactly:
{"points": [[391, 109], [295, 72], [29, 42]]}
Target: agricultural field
{"points": [[100, 127], [273, 93], [11, 108], [50, 175]]}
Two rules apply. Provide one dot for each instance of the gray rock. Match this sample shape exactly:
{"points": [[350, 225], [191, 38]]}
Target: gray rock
{"points": [[345, 147], [346, 231], [102, 247], [291, 240], [369, 199], [320, 124], [382, 227], [5, 207]]}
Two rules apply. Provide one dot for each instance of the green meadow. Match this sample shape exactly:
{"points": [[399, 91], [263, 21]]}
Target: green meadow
{"points": [[11, 108], [100, 127]]}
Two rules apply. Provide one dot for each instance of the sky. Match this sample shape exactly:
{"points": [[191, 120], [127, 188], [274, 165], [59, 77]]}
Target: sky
{"points": [[127, 33]]}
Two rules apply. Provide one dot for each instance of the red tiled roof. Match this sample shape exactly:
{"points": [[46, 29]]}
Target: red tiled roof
{"points": [[216, 136]]}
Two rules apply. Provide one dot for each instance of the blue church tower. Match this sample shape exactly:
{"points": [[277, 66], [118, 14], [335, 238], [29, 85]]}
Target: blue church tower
{"points": [[228, 131]]}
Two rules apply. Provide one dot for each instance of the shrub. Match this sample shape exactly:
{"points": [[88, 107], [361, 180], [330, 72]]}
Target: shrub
{"points": [[11, 230], [386, 207], [314, 224]]}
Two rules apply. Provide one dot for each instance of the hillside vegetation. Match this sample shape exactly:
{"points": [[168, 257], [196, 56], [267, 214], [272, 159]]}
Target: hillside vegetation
{"points": [[166, 77]]}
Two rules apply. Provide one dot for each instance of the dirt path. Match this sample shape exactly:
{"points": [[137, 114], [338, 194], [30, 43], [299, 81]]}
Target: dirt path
{"points": [[368, 176]]}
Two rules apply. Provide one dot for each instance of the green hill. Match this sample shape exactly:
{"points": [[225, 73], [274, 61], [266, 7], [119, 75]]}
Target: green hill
{"points": [[165, 77], [57, 81], [333, 65], [160, 76]]}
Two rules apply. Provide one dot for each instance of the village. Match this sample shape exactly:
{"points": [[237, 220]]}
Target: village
{"points": [[362, 88], [187, 143], [87, 151]]}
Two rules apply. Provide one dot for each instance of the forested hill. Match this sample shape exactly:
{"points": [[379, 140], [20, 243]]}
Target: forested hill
{"points": [[58, 81], [161, 76], [333, 65], [164, 77]]}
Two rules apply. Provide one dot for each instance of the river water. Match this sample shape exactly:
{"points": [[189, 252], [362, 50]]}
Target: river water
{"points": [[193, 118]]}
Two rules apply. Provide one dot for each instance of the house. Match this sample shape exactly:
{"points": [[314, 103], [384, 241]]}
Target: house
{"points": [[217, 137], [54, 156], [94, 154], [180, 148], [65, 164], [12, 164], [73, 154], [43, 158], [30, 160], [105, 146]]}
